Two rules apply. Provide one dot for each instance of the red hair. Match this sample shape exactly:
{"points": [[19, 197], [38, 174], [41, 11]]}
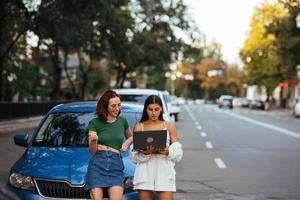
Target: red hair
{"points": [[102, 105]]}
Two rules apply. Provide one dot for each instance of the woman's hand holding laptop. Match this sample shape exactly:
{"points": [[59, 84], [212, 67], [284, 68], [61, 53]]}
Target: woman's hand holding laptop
{"points": [[151, 150], [164, 151]]}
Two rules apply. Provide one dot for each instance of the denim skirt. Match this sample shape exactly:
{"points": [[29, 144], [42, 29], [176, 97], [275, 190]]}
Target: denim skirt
{"points": [[105, 169]]}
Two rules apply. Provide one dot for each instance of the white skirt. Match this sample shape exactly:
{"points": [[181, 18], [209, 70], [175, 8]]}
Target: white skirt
{"points": [[157, 174]]}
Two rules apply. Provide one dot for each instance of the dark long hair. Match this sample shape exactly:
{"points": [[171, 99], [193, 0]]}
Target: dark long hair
{"points": [[152, 99], [102, 105]]}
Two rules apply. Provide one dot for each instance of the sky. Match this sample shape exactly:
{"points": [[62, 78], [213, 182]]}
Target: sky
{"points": [[225, 21]]}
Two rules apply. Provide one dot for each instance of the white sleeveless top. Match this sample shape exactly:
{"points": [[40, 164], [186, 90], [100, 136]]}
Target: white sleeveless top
{"points": [[165, 128]]}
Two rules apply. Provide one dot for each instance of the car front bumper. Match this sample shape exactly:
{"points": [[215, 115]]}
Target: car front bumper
{"points": [[29, 195]]}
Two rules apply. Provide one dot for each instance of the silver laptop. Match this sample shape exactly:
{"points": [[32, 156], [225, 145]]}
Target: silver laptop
{"points": [[155, 138]]}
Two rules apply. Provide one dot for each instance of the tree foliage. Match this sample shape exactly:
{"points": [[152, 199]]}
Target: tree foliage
{"points": [[287, 41], [271, 50], [81, 46], [153, 43], [225, 80], [14, 21]]}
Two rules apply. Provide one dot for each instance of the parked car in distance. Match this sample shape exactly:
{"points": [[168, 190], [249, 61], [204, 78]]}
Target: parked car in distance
{"points": [[245, 102], [138, 96], [225, 101], [199, 101], [173, 107], [240, 102], [174, 100], [237, 102], [190, 101], [257, 104], [55, 162], [296, 110], [181, 100]]}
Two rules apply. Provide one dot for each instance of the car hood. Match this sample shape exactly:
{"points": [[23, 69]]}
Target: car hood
{"points": [[68, 164]]}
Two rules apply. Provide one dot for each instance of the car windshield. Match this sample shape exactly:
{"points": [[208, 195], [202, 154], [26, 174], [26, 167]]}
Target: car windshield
{"points": [[226, 98], [140, 99], [167, 98], [64, 130]]}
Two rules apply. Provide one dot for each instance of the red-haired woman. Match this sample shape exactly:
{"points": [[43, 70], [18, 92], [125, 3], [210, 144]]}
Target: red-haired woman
{"points": [[106, 142]]}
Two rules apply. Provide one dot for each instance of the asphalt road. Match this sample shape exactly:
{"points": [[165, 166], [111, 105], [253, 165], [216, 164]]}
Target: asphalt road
{"points": [[237, 154]]}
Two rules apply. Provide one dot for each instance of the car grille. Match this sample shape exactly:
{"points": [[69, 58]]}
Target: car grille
{"points": [[61, 189]]}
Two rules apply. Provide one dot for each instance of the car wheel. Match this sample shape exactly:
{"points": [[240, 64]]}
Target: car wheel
{"points": [[176, 117]]}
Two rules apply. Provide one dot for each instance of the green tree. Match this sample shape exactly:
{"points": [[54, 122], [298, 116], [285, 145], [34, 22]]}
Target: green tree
{"points": [[287, 43], [196, 62], [259, 54], [154, 44], [88, 29], [14, 21]]}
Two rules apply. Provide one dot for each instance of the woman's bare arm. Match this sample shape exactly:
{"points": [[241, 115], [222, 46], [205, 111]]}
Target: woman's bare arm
{"points": [[93, 142], [128, 141], [173, 132]]}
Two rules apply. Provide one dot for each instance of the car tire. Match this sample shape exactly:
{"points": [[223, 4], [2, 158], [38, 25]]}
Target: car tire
{"points": [[176, 117]]}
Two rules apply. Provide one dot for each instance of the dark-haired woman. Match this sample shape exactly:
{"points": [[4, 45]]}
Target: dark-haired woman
{"points": [[155, 167], [106, 142]]}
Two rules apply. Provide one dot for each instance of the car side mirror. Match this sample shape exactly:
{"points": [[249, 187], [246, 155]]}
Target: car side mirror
{"points": [[21, 139]]}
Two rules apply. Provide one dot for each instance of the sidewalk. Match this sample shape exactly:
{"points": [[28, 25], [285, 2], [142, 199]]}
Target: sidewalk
{"points": [[12, 127]]}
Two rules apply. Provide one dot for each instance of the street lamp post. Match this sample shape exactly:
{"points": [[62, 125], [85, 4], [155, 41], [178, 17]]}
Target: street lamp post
{"points": [[173, 68], [298, 66], [298, 79], [173, 79], [298, 20], [173, 74], [298, 71]]}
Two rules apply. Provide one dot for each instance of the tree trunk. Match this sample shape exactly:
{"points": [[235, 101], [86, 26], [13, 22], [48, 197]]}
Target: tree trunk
{"points": [[118, 79], [56, 73], [1, 80], [84, 74], [73, 89], [123, 78]]}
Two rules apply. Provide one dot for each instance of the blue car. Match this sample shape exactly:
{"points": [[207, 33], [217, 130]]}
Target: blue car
{"points": [[55, 162]]}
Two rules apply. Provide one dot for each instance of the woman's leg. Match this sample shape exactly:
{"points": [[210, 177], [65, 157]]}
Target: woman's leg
{"points": [[165, 195], [96, 194], [146, 194], [115, 192]]}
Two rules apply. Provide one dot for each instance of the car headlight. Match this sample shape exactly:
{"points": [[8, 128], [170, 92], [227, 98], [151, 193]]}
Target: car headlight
{"points": [[128, 185], [22, 182]]}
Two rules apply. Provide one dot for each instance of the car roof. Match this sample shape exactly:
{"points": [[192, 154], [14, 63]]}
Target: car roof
{"points": [[136, 91], [90, 106], [166, 92], [144, 92], [226, 96]]}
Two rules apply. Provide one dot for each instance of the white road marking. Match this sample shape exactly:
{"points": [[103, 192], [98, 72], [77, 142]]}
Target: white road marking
{"points": [[220, 163], [203, 134], [199, 127], [266, 125], [209, 145]]}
